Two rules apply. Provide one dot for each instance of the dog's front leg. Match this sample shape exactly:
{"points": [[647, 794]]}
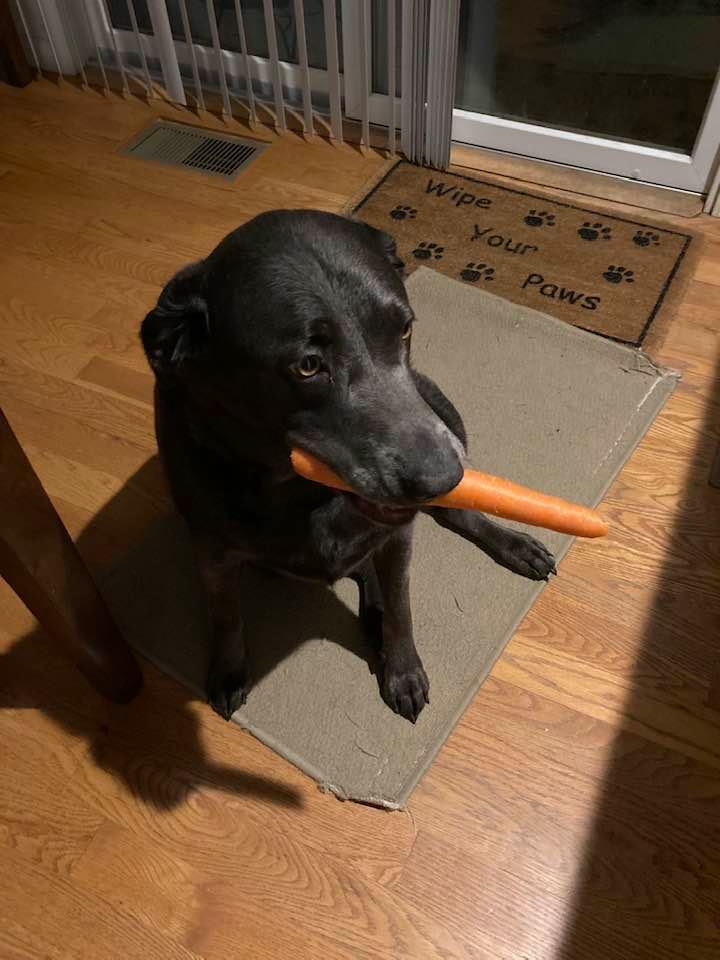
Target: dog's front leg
{"points": [[404, 683], [228, 679], [518, 552]]}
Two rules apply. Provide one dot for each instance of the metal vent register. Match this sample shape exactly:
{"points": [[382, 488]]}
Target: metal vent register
{"points": [[182, 146]]}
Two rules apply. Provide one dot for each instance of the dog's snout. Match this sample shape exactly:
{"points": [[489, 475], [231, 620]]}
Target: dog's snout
{"points": [[432, 478]]}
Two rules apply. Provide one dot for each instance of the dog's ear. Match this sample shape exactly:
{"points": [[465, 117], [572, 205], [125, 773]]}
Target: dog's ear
{"points": [[390, 250], [387, 245], [178, 328]]}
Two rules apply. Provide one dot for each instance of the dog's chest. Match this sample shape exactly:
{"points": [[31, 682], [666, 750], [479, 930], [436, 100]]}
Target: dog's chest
{"points": [[326, 544]]}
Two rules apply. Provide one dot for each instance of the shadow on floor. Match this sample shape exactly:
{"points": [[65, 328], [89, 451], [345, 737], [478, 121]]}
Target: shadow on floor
{"points": [[153, 745], [156, 597], [649, 888]]}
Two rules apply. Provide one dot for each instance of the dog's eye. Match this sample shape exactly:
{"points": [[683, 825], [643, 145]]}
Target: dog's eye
{"points": [[407, 331], [308, 367]]}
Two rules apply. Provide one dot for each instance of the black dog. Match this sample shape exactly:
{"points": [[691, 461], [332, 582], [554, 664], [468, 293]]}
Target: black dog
{"points": [[295, 332]]}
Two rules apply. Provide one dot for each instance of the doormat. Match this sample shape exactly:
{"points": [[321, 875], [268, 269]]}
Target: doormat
{"points": [[545, 404], [610, 275]]}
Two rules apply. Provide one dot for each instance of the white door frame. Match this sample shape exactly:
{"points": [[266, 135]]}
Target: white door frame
{"points": [[379, 102]]}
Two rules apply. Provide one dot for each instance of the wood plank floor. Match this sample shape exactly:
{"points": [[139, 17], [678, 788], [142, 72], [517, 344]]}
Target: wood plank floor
{"points": [[574, 812]]}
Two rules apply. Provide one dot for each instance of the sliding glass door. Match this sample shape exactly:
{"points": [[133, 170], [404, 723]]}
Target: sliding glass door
{"points": [[626, 88]]}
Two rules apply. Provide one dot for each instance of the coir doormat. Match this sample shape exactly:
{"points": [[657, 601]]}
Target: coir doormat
{"points": [[610, 275], [545, 404]]}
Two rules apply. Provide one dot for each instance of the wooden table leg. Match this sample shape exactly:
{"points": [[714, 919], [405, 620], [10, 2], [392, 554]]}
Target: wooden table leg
{"points": [[42, 565]]}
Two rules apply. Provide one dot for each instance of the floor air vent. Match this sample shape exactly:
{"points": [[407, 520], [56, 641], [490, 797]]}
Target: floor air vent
{"points": [[177, 145]]}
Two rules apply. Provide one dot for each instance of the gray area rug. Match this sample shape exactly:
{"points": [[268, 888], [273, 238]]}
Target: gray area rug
{"points": [[545, 404]]}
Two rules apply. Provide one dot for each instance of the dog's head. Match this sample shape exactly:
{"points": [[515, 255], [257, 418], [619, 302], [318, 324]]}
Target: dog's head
{"points": [[298, 328]]}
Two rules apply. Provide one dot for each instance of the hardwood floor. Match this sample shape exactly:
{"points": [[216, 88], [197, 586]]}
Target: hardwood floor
{"points": [[575, 811]]}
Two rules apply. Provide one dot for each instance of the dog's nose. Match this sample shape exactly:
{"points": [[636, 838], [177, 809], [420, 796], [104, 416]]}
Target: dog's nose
{"points": [[432, 480]]}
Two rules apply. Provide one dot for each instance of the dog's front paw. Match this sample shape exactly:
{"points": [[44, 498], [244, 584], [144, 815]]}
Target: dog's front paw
{"points": [[526, 556], [227, 690], [405, 690]]}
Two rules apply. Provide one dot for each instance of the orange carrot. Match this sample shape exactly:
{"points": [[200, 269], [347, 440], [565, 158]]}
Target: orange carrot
{"points": [[489, 494]]}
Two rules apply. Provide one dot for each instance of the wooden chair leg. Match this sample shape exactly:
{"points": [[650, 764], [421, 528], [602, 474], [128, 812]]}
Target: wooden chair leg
{"points": [[42, 565]]}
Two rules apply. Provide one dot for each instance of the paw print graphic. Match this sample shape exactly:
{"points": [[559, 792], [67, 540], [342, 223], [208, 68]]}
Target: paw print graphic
{"points": [[539, 218], [428, 251], [401, 212], [618, 274], [594, 231], [646, 238], [477, 271]]}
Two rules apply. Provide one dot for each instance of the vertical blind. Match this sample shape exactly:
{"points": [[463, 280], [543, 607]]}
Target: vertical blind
{"points": [[157, 47]]}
